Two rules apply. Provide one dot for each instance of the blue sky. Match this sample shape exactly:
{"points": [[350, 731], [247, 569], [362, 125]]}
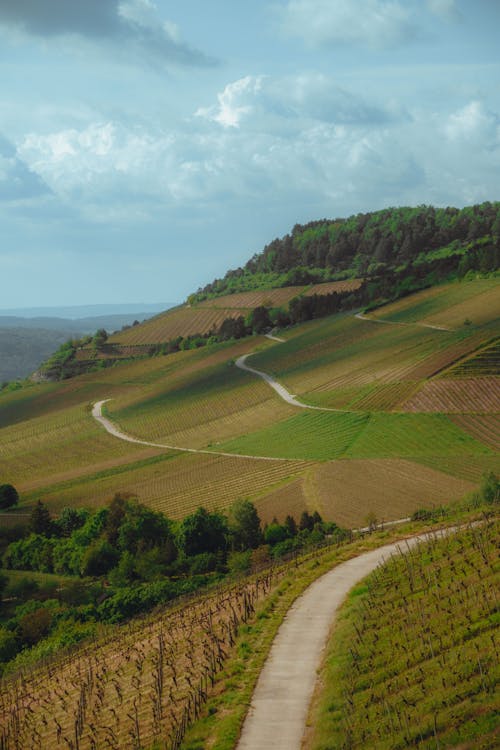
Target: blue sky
{"points": [[148, 146]]}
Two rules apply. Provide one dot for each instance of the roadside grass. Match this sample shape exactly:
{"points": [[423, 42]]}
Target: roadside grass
{"points": [[413, 659], [222, 718]]}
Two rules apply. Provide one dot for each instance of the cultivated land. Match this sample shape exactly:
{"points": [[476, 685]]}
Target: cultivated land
{"points": [[417, 412], [413, 660]]}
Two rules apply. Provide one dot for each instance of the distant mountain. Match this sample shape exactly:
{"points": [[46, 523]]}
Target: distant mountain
{"points": [[27, 341], [87, 311], [22, 350]]}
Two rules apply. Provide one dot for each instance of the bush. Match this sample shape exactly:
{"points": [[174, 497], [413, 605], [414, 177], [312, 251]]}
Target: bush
{"points": [[9, 645], [8, 496]]}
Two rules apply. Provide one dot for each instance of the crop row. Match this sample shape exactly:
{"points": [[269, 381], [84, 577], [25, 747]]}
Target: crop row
{"points": [[178, 485], [144, 684], [460, 396], [418, 660], [330, 435], [483, 363], [181, 322], [485, 428]]}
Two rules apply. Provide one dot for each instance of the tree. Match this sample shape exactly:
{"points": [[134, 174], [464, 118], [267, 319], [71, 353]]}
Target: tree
{"points": [[291, 526], [71, 519], [203, 532], [8, 496], [246, 525], [41, 520], [100, 338], [258, 320]]}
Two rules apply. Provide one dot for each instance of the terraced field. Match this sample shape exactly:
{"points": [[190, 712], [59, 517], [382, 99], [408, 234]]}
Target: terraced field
{"points": [[208, 315]]}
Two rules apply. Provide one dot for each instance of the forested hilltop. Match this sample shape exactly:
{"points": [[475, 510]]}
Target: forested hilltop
{"points": [[401, 241]]}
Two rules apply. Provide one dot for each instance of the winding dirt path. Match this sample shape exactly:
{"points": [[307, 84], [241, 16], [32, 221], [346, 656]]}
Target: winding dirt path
{"points": [[280, 389], [110, 427], [278, 710], [362, 316]]}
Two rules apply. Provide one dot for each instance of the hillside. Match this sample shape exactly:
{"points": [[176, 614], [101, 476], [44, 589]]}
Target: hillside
{"points": [[397, 243], [417, 408]]}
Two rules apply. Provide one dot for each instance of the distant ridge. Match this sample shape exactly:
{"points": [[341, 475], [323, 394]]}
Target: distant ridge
{"points": [[86, 311]]}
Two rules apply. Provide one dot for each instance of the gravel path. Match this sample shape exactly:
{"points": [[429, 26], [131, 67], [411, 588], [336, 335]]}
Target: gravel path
{"points": [[361, 316], [280, 389], [279, 705], [110, 427]]}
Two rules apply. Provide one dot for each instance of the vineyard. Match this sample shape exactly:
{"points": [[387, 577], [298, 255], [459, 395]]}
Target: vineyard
{"points": [[144, 686], [459, 396], [414, 661], [481, 364], [208, 315], [447, 305], [329, 435]]}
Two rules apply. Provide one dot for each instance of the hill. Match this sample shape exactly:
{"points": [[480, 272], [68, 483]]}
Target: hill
{"points": [[418, 410], [408, 244]]}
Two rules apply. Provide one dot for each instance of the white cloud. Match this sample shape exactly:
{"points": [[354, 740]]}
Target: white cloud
{"points": [[237, 100], [372, 23], [266, 141], [473, 123], [17, 181], [266, 102]]}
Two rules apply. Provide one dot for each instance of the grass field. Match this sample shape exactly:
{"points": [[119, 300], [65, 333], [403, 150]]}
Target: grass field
{"points": [[329, 435], [413, 661]]}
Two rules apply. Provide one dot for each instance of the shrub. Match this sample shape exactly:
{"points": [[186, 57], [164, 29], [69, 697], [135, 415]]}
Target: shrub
{"points": [[8, 496]]}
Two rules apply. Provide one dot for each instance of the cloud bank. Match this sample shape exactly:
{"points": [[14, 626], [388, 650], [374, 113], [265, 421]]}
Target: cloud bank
{"points": [[134, 23], [294, 140]]}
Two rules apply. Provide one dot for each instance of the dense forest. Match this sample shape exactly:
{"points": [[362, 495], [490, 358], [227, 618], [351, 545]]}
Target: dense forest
{"points": [[368, 245]]}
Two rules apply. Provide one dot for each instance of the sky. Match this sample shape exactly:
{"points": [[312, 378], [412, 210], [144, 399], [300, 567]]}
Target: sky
{"points": [[147, 146]]}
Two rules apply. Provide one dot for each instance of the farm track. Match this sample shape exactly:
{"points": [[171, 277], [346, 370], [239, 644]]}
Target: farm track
{"points": [[361, 316], [112, 429], [279, 705]]}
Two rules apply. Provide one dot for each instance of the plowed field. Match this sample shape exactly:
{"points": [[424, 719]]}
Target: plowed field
{"points": [[456, 396]]}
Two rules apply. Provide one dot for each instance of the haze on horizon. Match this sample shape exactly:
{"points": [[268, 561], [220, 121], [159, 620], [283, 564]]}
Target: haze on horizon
{"points": [[146, 147]]}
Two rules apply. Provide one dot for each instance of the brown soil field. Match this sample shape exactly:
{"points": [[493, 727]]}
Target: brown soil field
{"points": [[347, 491], [456, 396], [485, 428], [334, 286], [291, 499], [249, 300]]}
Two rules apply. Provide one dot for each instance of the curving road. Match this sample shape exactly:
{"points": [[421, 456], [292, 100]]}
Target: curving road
{"points": [[278, 709], [110, 427], [280, 389], [362, 316]]}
